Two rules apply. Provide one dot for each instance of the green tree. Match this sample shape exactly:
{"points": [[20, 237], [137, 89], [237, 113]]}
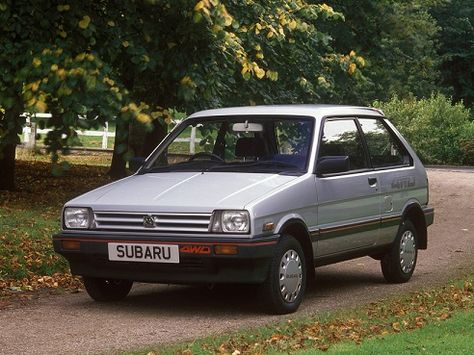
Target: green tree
{"points": [[57, 58], [139, 60], [279, 55], [85, 59], [285, 38], [242, 53], [456, 19], [398, 41]]}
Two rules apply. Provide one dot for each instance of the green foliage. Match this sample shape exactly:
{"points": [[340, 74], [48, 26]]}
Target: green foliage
{"points": [[439, 130], [456, 19], [135, 60], [56, 58], [290, 55], [397, 39], [467, 150]]}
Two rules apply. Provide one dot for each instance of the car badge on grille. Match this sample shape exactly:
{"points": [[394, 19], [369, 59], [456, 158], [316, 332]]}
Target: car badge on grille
{"points": [[148, 221]]}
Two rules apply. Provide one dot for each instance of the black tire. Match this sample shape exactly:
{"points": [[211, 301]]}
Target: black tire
{"points": [[396, 268], [272, 297], [107, 290]]}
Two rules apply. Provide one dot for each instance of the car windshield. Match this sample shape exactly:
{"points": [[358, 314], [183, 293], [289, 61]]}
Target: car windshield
{"points": [[270, 144]]}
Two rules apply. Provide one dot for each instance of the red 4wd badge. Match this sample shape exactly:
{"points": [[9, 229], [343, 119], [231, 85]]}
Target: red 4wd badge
{"points": [[195, 249]]}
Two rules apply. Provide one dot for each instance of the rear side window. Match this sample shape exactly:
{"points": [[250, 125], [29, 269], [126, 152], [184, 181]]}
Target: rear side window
{"points": [[384, 148], [342, 138]]}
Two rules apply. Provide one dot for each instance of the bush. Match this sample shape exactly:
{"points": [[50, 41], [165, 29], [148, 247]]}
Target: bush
{"points": [[439, 130], [467, 149]]}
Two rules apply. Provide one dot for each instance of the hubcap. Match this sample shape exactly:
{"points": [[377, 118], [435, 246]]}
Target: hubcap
{"points": [[407, 251], [291, 276]]}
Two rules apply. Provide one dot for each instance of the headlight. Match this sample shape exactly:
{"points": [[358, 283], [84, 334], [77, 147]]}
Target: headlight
{"points": [[77, 218], [230, 222]]}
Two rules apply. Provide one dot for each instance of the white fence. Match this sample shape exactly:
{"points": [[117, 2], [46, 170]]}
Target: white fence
{"points": [[30, 131]]}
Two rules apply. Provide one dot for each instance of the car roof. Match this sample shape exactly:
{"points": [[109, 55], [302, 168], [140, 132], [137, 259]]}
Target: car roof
{"points": [[317, 111]]}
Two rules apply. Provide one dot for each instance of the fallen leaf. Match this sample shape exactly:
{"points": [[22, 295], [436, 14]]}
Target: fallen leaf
{"points": [[468, 286], [324, 347], [396, 326], [4, 304], [444, 316], [276, 337]]}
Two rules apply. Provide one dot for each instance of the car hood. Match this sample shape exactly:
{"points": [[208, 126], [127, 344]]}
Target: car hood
{"points": [[182, 192]]}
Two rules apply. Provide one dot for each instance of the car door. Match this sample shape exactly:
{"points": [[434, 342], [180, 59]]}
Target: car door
{"points": [[396, 174], [348, 202]]}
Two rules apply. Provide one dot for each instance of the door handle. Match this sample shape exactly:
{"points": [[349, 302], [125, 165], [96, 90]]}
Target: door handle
{"points": [[372, 181]]}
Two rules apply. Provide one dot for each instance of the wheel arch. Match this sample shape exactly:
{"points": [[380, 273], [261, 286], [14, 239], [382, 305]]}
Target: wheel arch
{"points": [[414, 213], [297, 228]]}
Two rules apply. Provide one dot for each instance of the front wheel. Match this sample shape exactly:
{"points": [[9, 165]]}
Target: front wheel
{"points": [[107, 290], [399, 263], [284, 288]]}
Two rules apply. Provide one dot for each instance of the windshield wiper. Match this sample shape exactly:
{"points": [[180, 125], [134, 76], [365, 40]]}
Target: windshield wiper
{"points": [[253, 164], [183, 166]]}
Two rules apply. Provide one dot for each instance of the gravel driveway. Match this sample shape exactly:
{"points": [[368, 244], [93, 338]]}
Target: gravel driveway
{"points": [[72, 323]]}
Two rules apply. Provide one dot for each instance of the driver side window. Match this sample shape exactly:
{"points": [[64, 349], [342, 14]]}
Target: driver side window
{"points": [[342, 138]]}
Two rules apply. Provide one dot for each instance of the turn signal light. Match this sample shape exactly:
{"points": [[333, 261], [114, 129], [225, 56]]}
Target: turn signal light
{"points": [[71, 245], [226, 249], [268, 227]]}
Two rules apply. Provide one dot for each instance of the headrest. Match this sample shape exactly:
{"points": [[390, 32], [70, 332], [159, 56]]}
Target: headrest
{"points": [[249, 147]]}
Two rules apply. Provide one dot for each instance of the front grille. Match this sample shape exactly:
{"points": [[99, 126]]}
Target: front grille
{"points": [[162, 222]]}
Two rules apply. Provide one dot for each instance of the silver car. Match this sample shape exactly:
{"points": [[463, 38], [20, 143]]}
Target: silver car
{"points": [[258, 195]]}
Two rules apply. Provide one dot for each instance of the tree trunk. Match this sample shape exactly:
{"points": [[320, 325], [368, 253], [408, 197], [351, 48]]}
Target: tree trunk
{"points": [[7, 167], [11, 122], [153, 138], [118, 167]]}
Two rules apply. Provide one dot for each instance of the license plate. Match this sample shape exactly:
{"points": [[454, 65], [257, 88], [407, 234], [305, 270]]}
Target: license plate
{"points": [[144, 253]]}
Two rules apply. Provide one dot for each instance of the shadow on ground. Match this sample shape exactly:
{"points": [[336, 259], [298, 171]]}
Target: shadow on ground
{"points": [[231, 299]]}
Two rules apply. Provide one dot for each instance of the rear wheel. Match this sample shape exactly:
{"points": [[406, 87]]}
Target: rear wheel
{"points": [[107, 290], [399, 263], [284, 288]]}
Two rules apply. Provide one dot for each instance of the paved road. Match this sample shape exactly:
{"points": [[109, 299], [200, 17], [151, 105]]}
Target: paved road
{"points": [[152, 314]]}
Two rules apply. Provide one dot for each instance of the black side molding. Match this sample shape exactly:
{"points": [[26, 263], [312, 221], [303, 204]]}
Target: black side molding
{"points": [[429, 215]]}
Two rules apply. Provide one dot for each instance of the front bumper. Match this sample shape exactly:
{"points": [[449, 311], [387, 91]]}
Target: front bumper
{"points": [[249, 265]]}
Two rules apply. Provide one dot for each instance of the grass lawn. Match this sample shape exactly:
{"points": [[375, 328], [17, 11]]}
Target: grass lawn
{"points": [[83, 141], [452, 336], [96, 142], [433, 321], [30, 215]]}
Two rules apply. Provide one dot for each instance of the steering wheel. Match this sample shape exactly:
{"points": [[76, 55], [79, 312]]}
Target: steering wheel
{"points": [[206, 154]]}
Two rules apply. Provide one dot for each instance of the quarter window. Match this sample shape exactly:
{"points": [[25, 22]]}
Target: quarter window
{"points": [[384, 149], [342, 138]]}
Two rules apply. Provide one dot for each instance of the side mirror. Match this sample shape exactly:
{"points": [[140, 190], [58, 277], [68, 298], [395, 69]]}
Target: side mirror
{"points": [[332, 165], [136, 163]]}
